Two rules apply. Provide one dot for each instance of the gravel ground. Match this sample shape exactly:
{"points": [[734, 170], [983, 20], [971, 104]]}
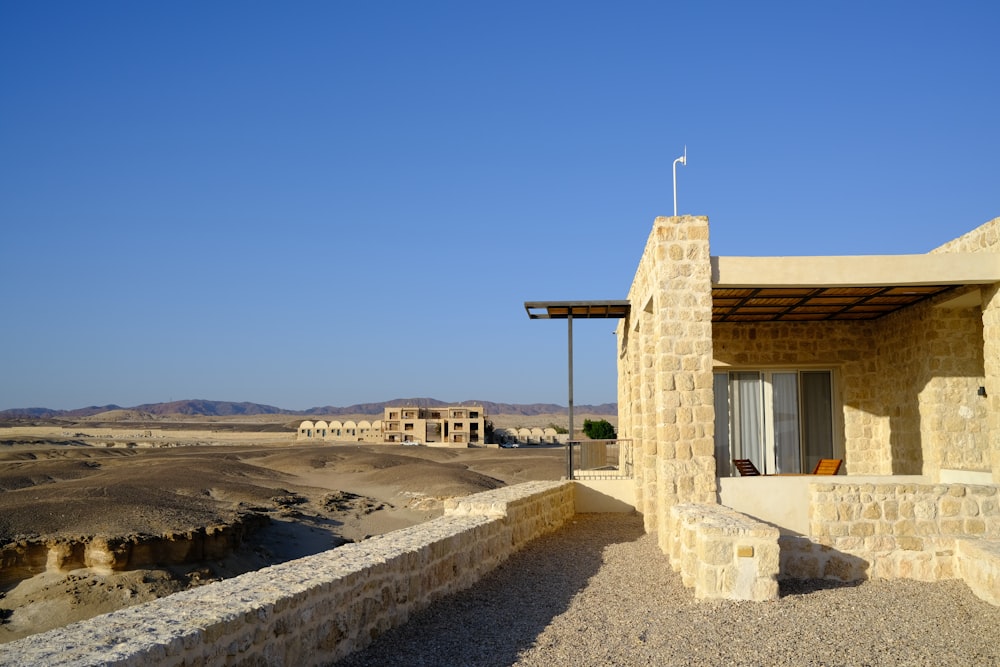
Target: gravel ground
{"points": [[600, 592]]}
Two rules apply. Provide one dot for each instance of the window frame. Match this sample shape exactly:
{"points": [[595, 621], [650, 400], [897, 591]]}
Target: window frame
{"points": [[769, 454]]}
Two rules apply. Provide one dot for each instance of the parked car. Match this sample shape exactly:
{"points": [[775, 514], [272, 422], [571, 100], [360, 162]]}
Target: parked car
{"points": [[510, 445], [410, 443]]}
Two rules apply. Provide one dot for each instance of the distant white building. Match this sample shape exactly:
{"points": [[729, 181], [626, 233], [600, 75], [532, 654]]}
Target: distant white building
{"points": [[362, 431], [531, 436]]}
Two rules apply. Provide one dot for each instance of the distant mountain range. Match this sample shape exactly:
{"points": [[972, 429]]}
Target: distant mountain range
{"points": [[204, 408]]}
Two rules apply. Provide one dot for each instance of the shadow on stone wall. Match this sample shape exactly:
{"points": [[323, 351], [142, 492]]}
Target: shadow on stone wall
{"points": [[806, 566], [792, 587]]}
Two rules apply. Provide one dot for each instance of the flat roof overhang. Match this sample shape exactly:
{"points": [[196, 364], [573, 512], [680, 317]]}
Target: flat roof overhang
{"points": [[569, 311], [805, 289], [561, 310]]}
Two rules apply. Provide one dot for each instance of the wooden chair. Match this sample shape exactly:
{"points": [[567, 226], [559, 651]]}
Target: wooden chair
{"points": [[828, 467], [746, 468]]}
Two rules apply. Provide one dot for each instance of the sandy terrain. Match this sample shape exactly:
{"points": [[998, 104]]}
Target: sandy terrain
{"points": [[90, 525]]}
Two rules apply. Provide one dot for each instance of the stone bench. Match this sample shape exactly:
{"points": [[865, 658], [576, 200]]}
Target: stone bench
{"points": [[977, 561], [722, 553]]}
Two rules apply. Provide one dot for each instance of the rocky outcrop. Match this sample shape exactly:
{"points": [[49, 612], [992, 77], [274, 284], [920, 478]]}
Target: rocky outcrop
{"points": [[24, 559]]}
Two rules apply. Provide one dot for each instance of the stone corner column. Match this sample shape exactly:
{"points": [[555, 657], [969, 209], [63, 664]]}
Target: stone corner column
{"points": [[682, 330]]}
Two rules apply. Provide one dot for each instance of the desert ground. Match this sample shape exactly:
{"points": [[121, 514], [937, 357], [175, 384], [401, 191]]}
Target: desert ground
{"points": [[95, 517]]}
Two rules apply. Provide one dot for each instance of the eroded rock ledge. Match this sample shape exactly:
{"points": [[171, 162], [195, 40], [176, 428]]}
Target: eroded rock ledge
{"points": [[27, 558]]}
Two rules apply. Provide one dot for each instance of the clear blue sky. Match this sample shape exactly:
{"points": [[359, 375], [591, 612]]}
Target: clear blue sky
{"points": [[318, 203]]}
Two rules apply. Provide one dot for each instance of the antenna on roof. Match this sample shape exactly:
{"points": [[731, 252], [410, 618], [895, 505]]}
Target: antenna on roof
{"points": [[683, 160]]}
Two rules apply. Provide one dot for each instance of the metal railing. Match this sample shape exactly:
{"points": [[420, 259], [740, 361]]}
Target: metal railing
{"points": [[599, 459]]}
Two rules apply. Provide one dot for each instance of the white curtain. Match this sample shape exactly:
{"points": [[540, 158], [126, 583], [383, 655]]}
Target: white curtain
{"points": [[748, 437], [785, 404]]}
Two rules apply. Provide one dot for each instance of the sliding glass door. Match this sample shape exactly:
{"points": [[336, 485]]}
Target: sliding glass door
{"points": [[817, 417], [781, 420]]}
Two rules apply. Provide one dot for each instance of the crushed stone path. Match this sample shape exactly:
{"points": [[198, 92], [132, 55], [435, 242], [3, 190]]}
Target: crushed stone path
{"points": [[600, 592]]}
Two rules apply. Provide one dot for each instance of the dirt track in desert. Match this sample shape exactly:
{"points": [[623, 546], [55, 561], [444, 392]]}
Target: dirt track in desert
{"points": [[279, 499]]}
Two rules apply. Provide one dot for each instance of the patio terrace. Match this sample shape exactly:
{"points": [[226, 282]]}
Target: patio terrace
{"points": [[519, 576], [600, 592]]}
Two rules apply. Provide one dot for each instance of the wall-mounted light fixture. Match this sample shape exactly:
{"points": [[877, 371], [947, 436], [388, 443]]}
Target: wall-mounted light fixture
{"points": [[981, 392]]}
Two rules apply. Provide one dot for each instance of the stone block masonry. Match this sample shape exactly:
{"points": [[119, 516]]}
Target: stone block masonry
{"points": [[926, 532], [986, 239], [723, 554], [665, 400], [317, 609]]}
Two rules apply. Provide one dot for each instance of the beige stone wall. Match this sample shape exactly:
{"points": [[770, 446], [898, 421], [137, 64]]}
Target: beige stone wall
{"points": [[723, 554], [666, 348], [636, 388], [931, 364], [889, 531], [317, 609], [991, 366], [986, 238]]}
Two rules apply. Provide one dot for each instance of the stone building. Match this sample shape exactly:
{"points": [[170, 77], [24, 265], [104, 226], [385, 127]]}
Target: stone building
{"points": [[451, 426], [535, 435], [361, 431], [890, 363]]}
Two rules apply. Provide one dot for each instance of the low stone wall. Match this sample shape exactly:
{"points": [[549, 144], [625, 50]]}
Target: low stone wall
{"points": [[891, 531], [722, 553], [317, 609]]}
